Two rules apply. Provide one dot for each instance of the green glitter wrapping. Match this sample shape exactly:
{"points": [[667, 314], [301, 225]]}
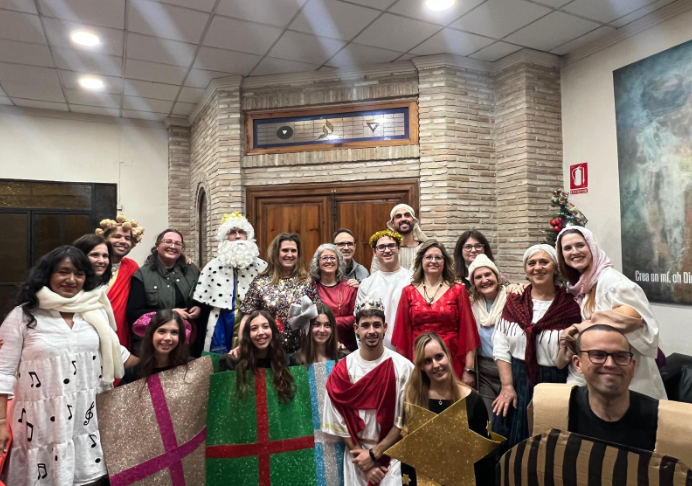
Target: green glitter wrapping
{"points": [[234, 421]]}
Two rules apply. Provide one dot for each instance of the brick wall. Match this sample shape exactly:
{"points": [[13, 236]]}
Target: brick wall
{"points": [[490, 145], [179, 207]]}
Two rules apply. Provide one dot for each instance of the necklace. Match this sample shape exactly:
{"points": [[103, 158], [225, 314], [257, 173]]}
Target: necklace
{"points": [[428, 298], [439, 402]]}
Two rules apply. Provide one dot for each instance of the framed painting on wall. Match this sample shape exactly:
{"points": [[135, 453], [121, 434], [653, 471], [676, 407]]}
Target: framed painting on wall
{"points": [[653, 105]]}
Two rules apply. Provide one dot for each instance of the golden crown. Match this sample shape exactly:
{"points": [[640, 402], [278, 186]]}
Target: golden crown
{"points": [[381, 234], [234, 215]]}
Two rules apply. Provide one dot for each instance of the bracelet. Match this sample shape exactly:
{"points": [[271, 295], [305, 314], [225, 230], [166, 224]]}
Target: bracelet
{"points": [[469, 370], [372, 455]]}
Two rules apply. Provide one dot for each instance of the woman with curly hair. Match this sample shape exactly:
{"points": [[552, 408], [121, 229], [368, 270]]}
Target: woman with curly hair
{"points": [[261, 347], [327, 269], [60, 349]]}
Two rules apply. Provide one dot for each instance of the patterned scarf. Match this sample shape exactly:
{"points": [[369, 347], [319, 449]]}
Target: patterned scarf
{"points": [[561, 314]]}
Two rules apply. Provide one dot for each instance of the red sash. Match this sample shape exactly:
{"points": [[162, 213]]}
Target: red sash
{"points": [[118, 294], [375, 391]]}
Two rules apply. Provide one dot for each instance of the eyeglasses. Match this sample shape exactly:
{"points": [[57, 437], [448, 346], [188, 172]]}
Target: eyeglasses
{"points": [[345, 244], [477, 247], [433, 258], [327, 259], [596, 356], [178, 244], [382, 248]]}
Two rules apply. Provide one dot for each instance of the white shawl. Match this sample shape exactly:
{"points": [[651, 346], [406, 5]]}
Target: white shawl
{"points": [[480, 311], [89, 305]]}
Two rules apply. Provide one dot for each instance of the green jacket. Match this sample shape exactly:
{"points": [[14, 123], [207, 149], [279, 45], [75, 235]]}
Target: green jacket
{"points": [[159, 284]]}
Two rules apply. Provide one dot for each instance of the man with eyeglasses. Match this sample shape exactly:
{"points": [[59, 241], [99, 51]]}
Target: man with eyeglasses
{"points": [[346, 244], [605, 408], [403, 220], [386, 284]]}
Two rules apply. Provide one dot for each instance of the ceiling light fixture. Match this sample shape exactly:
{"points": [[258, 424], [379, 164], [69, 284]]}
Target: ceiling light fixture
{"points": [[85, 38], [91, 83], [439, 4]]}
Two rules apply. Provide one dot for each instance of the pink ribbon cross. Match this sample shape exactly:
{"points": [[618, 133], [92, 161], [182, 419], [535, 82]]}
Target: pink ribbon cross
{"points": [[172, 458]]}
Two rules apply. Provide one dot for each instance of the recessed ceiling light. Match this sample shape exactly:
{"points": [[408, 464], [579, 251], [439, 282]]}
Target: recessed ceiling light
{"points": [[85, 38], [91, 82], [439, 4]]}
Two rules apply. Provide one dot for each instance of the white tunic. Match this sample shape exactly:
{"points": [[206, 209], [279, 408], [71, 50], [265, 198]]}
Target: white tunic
{"points": [[386, 286], [53, 372], [614, 290], [509, 340], [333, 422]]}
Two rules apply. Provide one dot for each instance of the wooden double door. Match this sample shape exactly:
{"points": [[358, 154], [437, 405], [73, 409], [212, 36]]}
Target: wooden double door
{"points": [[315, 211]]}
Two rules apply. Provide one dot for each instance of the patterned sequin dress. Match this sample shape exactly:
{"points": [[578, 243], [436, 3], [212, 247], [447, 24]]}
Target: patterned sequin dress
{"points": [[277, 299]]}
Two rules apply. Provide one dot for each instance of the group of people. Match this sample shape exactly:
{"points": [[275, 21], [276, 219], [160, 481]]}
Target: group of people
{"points": [[424, 328]]}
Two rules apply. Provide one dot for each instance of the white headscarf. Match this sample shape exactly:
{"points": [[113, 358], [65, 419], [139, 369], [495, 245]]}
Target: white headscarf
{"points": [[418, 234], [542, 247]]}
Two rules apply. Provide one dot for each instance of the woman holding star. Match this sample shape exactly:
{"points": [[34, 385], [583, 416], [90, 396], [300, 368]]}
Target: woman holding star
{"points": [[434, 385]]}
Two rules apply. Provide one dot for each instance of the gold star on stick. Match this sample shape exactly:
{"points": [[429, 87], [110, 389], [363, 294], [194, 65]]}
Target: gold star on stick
{"points": [[443, 449]]}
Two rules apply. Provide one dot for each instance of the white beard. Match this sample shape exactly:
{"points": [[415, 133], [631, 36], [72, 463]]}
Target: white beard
{"points": [[238, 253]]}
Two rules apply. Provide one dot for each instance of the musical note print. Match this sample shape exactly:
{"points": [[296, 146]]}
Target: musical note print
{"points": [[30, 428], [42, 466], [32, 375], [89, 414], [69, 409], [101, 375], [92, 438], [74, 365], [21, 417]]}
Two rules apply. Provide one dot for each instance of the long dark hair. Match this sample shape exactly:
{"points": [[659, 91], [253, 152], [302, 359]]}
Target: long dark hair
{"points": [[461, 269], [153, 258], [282, 377], [90, 241], [570, 274], [308, 349], [40, 273], [180, 355]]}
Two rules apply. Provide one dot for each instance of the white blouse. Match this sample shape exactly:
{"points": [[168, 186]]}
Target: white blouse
{"points": [[509, 340], [54, 372]]}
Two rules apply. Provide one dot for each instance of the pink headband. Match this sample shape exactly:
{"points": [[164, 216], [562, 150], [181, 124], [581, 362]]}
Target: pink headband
{"points": [[140, 326]]}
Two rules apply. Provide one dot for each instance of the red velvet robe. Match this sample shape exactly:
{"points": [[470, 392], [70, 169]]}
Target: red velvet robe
{"points": [[118, 294]]}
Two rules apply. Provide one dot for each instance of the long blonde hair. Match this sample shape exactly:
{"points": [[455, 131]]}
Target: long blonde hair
{"points": [[418, 386]]}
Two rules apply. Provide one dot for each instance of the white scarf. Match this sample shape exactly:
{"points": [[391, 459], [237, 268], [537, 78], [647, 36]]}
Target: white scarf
{"points": [[89, 305], [480, 311]]}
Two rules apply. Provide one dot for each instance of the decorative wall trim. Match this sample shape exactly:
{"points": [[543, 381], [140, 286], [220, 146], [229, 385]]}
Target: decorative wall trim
{"points": [[527, 56], [650, 20], [232, 82], [450, 60]]}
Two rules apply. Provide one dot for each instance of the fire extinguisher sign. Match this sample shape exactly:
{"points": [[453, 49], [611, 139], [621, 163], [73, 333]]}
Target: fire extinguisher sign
{"points": [[579, 178]]}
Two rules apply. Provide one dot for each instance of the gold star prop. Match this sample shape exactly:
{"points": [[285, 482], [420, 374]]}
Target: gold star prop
{"points": [[405, 479], [441, 447]]}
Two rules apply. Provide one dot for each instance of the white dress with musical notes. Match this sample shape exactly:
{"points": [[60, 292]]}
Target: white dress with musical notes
{"points": [[53, 372]]}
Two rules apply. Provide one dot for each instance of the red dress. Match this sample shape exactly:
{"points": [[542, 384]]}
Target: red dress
{"points": [[341, 299], [450, 317]]}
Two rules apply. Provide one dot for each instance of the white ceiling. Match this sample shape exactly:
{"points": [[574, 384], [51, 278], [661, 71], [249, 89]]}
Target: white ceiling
{"points": [[157, 57]]}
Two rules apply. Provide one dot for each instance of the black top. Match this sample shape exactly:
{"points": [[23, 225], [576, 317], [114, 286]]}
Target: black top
{"points": [[478, 422], [637, 428], [229, 364]]}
